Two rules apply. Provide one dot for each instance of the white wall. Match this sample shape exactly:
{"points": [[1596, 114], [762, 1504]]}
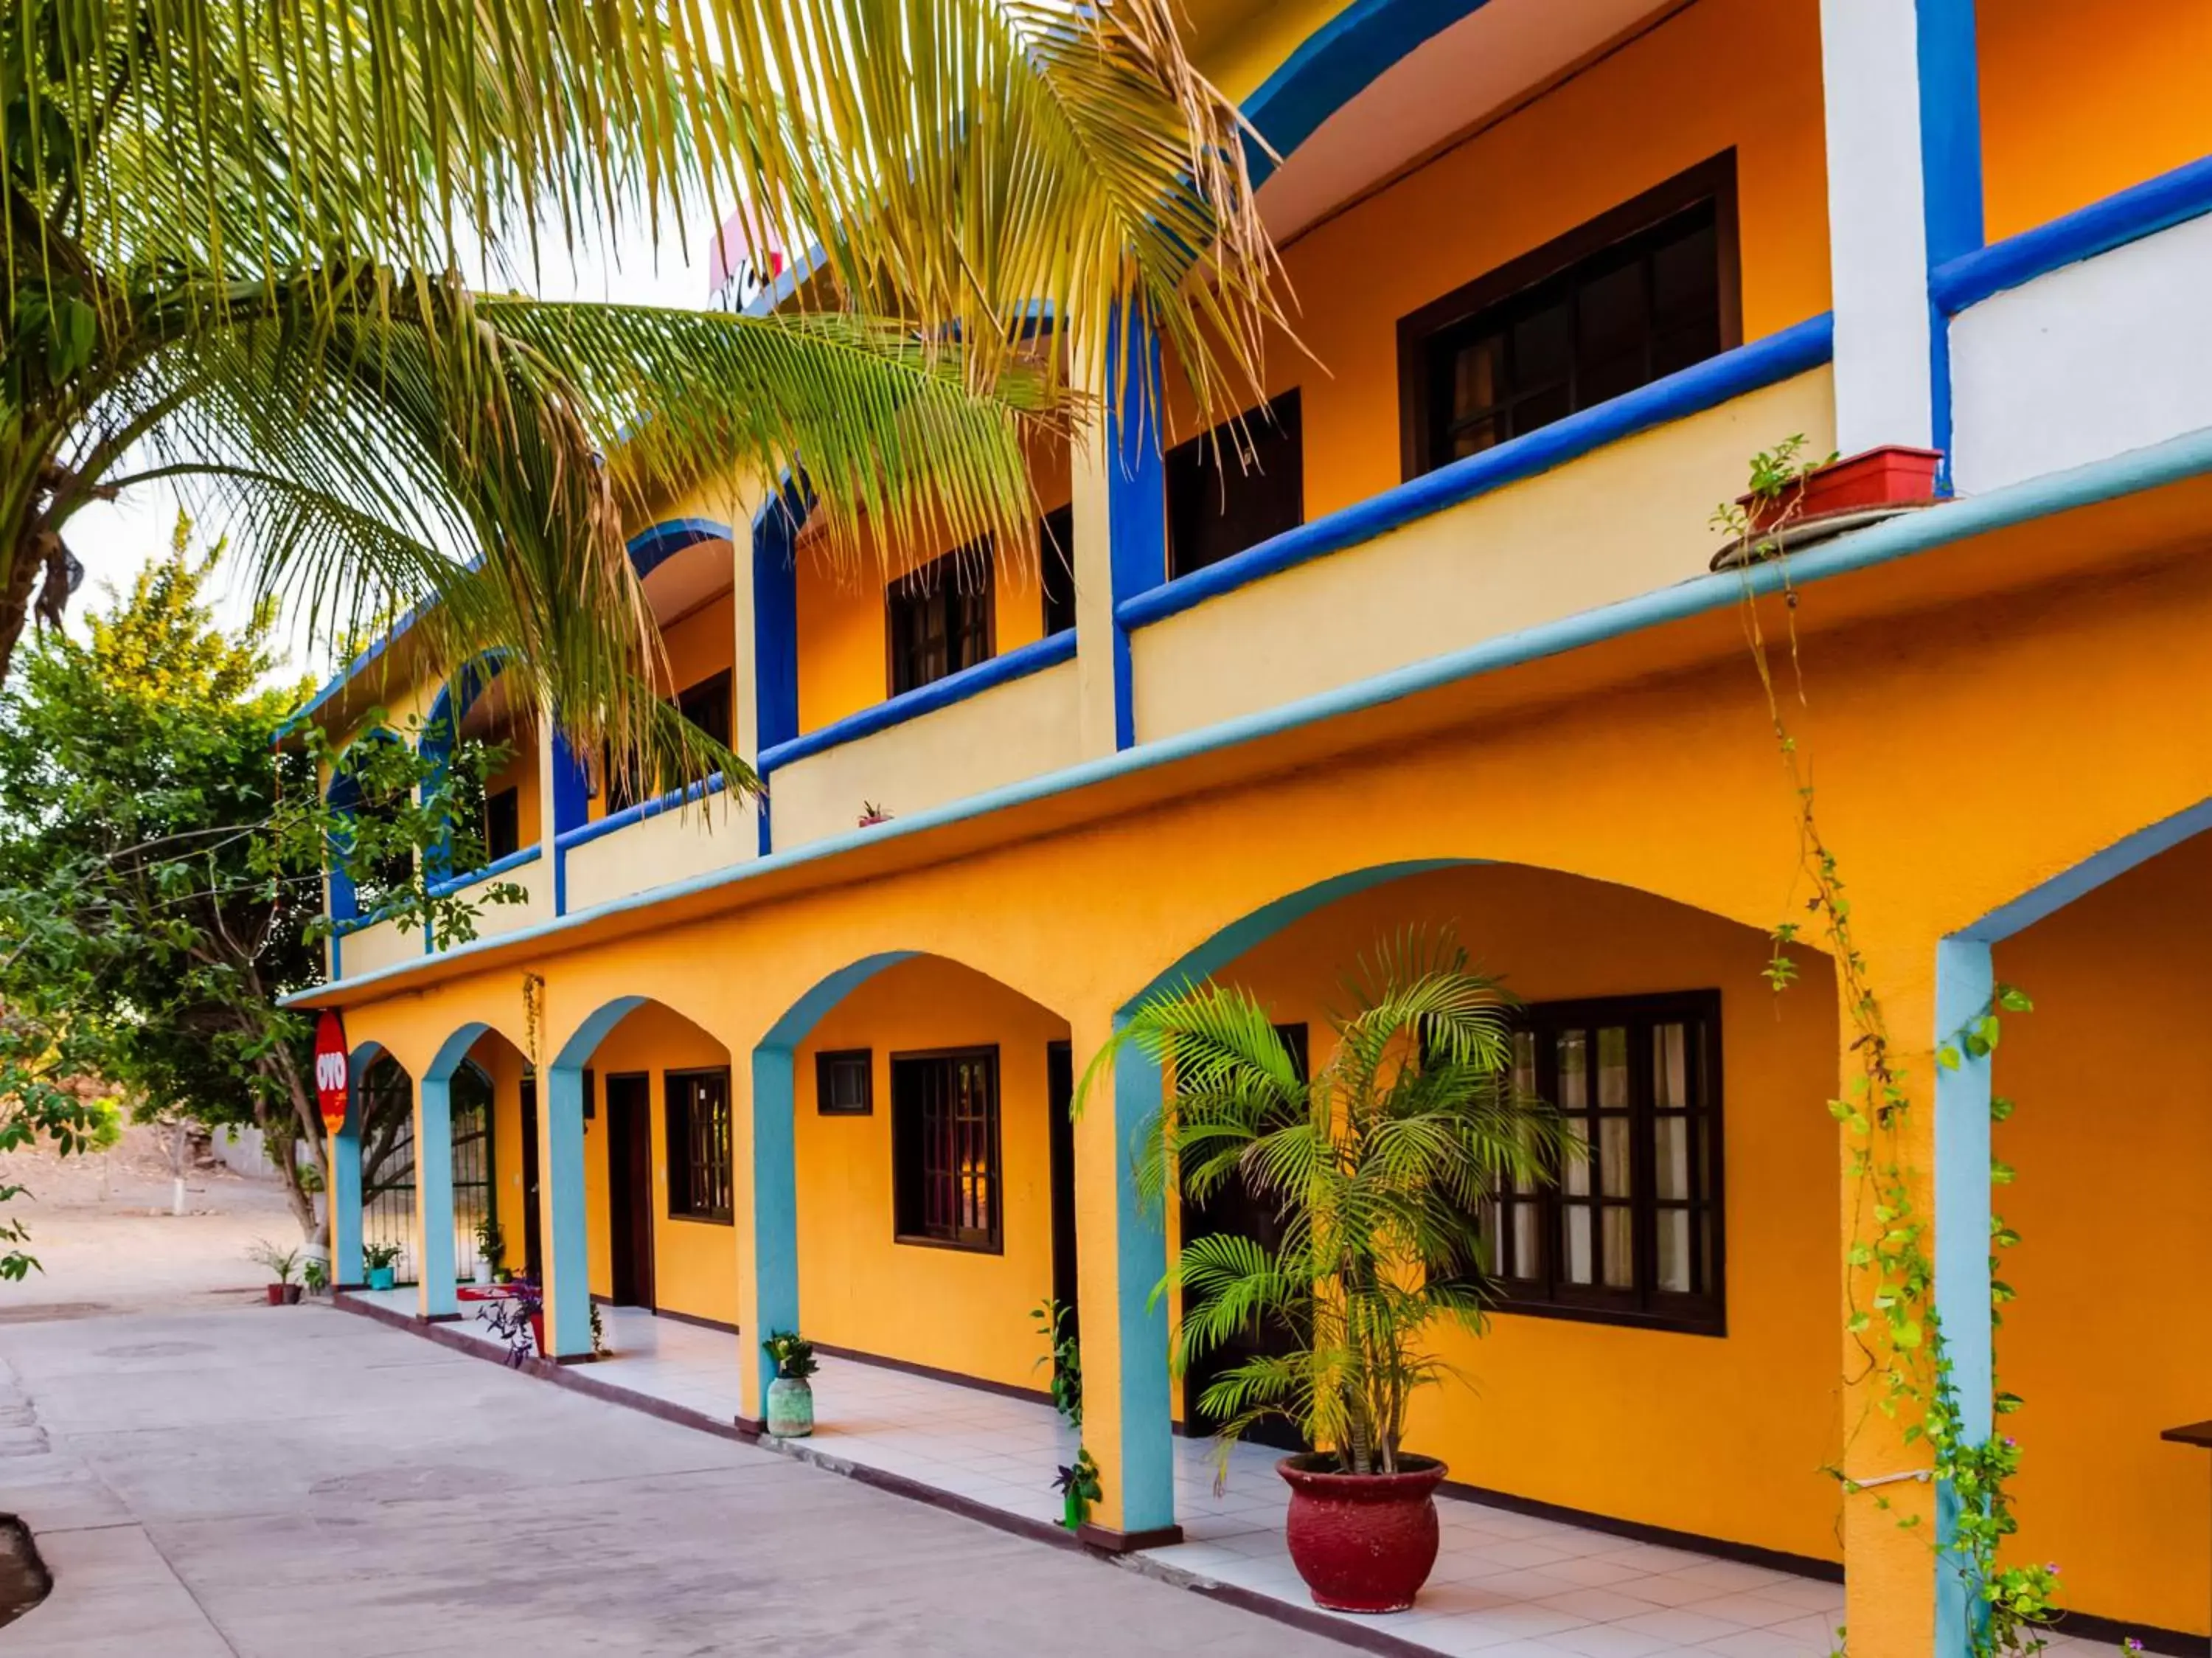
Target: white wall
{"points": [[2088, 363]]}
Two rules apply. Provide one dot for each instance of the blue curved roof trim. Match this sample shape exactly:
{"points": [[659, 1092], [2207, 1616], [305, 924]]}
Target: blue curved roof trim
{"points": [[1339, 61], [650, 548]]}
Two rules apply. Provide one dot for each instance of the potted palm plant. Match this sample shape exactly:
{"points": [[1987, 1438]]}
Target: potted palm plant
{"points": [[282, 1263], [379, 1261], [1378, 1167]]}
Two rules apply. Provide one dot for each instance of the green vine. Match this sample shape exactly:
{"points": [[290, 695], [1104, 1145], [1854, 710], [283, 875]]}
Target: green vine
{"points": [[1891, 1313]]}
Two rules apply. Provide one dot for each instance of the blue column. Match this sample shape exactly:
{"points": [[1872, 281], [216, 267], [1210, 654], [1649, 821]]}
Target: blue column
{"points": [[1140, 1318], [433, 1198], [571, 790], [1136, 493], [568, 1287], [775, 1205], [1965, 982], [1950, 170], [776, 626], [344, 1199]]}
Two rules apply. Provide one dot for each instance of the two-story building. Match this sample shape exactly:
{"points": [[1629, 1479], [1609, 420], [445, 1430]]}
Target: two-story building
{"points": [[1453, 651]]}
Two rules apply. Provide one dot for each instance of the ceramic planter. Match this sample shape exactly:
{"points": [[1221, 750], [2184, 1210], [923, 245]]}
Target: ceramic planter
{"points": [[790, 1407], [292, 1292], [382, 1278], [277, 1294], [1362, 1542], [1894, 475]]}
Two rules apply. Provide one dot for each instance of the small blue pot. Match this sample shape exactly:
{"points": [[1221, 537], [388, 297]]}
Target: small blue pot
{"points": [[379, 1278]]}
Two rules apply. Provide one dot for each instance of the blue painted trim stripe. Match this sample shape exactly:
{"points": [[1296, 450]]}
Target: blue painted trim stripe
{"points": [[651, 547], [497, 867], [1904, 537], [1950, 128], [2141, 211], [670, 801], [1018, 664], [1795, 351]]}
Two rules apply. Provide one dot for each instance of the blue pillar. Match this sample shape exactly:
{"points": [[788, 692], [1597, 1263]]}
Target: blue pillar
{"points": [[571, 789], [1951, 172], [1136, 493], [568, 1287], [776, 627], [775, 1207], [1966, 980], [1140, 1318], [434, 1199], [344, 1198]]}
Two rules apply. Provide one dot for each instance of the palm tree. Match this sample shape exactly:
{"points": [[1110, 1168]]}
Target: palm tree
{"points": [[234, 235], [1378, 1168]]}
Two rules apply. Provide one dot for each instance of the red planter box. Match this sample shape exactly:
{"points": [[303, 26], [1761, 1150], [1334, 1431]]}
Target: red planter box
{"points": [[1892, 476]]}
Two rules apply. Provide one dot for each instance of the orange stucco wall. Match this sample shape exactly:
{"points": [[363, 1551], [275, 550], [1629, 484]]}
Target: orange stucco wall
{"points": [[2110, 1342], [1542, 172], [1546, 1403], [2080, 99], [956, 1310]]}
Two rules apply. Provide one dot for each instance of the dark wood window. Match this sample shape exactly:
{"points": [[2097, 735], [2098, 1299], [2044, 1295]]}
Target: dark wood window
{"points": [[946, 1174], [1632, 1231], [1221, 501], [707, 705], [845, 1082], [1056, 567], [940, 618], [699, 1145], [1638, 293], [502, 823]]}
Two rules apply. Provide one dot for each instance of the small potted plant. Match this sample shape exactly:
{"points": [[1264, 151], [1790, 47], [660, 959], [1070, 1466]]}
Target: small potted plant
{"points": [[378, 1259], [1079, 1488], [314, 1274], [282, 1263], [518, 1318], [1055, 1321], [1378, 1166], [488, 1245], [872, 814], [790, 1395]]}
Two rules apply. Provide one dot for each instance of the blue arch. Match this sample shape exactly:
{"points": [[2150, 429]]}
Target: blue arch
{"points": [[345, 1171], [1336, 62], [654, 545], [343, 796]]}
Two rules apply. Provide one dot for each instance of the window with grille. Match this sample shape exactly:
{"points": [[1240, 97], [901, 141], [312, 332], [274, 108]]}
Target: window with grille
{"points": [[1632, 1228], [1634, 295], [946, 1176], [699, 1145], [845, 1082], [940, 618]]}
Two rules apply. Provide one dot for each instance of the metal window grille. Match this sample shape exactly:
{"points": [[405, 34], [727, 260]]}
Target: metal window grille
{"points": [[699, 1145], [946, 1143]]}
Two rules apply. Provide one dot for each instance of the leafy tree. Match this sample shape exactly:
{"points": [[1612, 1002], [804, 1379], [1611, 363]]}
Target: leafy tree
{"points": [[1377, 1168], [161, 864], [233, 239]]}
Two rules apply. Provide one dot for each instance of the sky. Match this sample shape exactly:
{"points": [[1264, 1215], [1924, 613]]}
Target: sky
{"points": [[114, 540]]}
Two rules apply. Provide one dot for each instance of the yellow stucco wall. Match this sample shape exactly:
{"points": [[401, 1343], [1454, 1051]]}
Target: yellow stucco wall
{"points": [[952, 1310], [2110, 1339], [2081, 100]]}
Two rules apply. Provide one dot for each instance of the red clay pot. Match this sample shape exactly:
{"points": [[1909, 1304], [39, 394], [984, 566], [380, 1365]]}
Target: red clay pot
{"points": [[1894, 475], [276, 1293], [537, 1334], [1362, 1542]]}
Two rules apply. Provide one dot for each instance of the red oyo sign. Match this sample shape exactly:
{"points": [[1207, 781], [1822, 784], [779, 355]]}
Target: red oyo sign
{"points": [[331, 1070]]}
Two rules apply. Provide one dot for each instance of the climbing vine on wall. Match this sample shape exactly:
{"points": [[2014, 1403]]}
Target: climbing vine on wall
{"points": [[1891, 1307]]}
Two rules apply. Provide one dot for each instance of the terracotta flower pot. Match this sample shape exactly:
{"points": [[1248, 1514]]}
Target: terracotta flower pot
{"points": [[292, 1292], [537, 1334], [1894, 475], [276, 1293], [1362, 1542]]}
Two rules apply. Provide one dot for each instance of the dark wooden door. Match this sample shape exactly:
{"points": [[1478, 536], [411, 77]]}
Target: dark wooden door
{"points": [[1232, 1209], [532, 1222], [630, 1188], [1059, 1093]]}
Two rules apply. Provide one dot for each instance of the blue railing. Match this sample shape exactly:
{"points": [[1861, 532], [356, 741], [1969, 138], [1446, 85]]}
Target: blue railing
{"points": [[1794, 351], [497, 867], [671, 800]]}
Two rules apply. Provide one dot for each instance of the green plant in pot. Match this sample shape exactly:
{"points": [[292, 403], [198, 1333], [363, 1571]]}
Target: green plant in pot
{"points": [[282, 1265], [379, 1261], [1377, 1168], [489, 1246], [790, 1395]]}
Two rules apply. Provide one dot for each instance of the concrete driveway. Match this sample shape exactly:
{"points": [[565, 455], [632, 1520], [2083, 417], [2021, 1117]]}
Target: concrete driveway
{"points": [[280, 1481]]}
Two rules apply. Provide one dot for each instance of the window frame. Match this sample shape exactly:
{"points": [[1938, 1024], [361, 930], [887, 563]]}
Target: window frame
{"points": [[678, 1147], [901, 1232], [1713, 180], [828, 1059], [1056, 569], [936, 581], [1203, 462], [1645, 1306], [511, 798], [715, 693]]}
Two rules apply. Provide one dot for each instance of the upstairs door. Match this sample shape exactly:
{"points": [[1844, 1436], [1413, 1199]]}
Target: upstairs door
{"points": [[1059, 1093], [630, 1187], [533, 1265]]}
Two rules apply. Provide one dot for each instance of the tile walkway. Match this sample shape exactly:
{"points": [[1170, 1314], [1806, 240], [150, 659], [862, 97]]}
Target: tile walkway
{"points": [[1505, 1585]]}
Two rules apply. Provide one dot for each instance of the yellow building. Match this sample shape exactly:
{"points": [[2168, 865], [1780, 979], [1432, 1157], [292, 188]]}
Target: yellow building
{"points": [[1454, 653]]}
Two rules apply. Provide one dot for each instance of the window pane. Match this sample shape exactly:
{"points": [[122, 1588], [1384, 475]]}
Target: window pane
{"points": [[1613, 327], [1620, 1257], [1525, 1222], [1576, 1177], [1670, 1068], [1474, 438], [1675, 1251], [1613, 1067], [1543, 347], [1478, 376], [1670, 1138], [1574, 1082], [1614, 1171], [1576, 1220]]}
